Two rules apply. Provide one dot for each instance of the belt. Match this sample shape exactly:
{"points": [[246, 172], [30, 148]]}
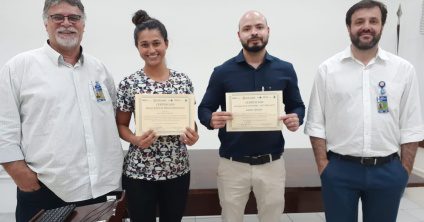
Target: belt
{"points": [[256, 160], [367, 161]]}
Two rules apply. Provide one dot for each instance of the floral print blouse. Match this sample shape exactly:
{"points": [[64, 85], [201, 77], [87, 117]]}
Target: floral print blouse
{"points": [[167, 157]]}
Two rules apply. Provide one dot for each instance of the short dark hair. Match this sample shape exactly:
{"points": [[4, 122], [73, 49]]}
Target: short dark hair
{"points": [[366, 4], [50, 3], [143, 21]]}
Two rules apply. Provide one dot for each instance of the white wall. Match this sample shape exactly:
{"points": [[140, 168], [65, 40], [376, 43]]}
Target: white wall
{"points": [[8, 193], [412, 49], [203, 34]]}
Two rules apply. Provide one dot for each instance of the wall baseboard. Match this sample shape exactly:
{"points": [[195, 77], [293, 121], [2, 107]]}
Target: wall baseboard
{"points": [[202, 202]]}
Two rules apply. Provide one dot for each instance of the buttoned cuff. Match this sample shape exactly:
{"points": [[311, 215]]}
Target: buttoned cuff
{"points": [[315, 130], [10, 154], [411, 135]]}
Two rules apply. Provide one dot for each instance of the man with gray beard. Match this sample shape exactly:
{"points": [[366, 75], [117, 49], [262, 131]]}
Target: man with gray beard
{"points": [[58, 139]]}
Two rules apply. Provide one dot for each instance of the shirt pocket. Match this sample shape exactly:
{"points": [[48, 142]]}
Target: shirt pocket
{"points": [[98, 92], [394, 92]]}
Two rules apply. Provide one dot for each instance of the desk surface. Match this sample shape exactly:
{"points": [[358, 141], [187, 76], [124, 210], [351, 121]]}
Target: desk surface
{"points": [[301, 170], [94, 212]]}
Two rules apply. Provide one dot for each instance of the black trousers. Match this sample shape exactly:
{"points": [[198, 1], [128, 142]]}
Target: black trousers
{"points": [[144, 197], [30, 203]]}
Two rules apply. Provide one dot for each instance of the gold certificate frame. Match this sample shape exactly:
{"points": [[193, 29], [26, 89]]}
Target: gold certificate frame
{"points": [[254, 111], [165, 114]]}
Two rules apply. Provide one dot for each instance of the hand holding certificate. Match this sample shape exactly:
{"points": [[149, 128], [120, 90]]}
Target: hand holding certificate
{"points": [[254, 111], [165, 114]]}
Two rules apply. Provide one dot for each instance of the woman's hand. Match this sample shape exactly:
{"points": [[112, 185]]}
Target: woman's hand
{"points": [[189, 137], [145, 140]]}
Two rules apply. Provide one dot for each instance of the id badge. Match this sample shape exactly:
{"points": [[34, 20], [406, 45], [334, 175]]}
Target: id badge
{"points": [[98, 92], [382, 105]]}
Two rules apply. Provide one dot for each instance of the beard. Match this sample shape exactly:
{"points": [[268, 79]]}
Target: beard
{"points": [[67, 42], [256, 47], [356, 41]]}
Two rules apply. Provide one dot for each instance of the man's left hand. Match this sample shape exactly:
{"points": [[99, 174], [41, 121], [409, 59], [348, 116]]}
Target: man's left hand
{"points": [[407, 169], [291, 121]]}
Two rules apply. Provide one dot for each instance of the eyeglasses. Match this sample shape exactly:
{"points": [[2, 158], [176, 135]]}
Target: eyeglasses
{"points": [[58, 18]]}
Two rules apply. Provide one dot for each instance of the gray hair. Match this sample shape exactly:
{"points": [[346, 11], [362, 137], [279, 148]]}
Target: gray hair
{"points": [[50, 3]]}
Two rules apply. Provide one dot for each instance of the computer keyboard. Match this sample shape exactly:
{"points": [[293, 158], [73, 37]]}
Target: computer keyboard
{"points": [[57, 215]]}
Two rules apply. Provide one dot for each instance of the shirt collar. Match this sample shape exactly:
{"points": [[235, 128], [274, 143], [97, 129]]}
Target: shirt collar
{"points": [[240, 57], [57, 58], [347, 54], [382, 54]]}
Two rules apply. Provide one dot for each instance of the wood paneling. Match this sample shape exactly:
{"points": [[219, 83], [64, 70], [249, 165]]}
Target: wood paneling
{"points": [[303, 191]]}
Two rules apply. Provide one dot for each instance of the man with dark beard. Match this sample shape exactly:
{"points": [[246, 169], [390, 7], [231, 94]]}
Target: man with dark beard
{"points": [[251, 160], [364, 110], [58, 137]]}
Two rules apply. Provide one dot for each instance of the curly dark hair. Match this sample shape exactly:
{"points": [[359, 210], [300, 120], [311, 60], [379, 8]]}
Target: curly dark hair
{"points": [[143, 21]]}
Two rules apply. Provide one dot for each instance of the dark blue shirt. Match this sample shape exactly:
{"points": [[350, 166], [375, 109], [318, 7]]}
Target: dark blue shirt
{"points": [[236, 75]]}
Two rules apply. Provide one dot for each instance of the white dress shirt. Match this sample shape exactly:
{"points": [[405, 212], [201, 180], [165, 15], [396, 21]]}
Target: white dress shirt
{"points": [[343, 105], [50, 117]]}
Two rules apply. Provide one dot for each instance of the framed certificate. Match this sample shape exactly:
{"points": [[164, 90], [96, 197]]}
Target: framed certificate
{"points": [[255, 111], [166, 114]]}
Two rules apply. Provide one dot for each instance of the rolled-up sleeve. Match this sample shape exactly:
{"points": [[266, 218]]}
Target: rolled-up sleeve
{"points": [[10, 122], [411, 118], [315, 123]]}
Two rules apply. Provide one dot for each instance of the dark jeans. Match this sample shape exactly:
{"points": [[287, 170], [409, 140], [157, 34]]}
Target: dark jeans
{"points": [[30, 203], [380, 189], [145, 196]]}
